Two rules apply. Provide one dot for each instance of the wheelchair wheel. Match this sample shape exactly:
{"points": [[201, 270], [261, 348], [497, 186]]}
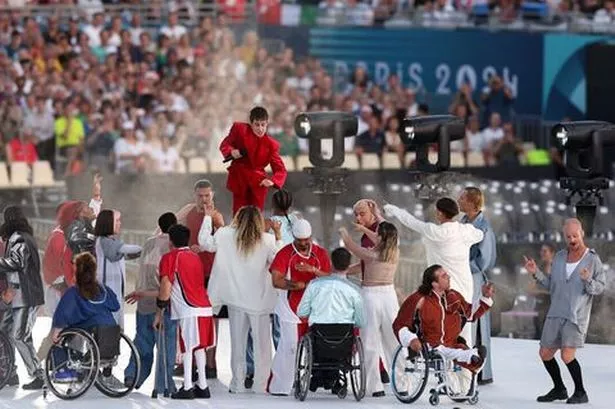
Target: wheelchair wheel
{"points": [[72, 364], [358, 377], [409, 374], [110, 379], [303, 367], [7, 359]]}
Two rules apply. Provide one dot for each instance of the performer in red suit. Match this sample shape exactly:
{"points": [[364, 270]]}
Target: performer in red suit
{"points": [[251, 150]]}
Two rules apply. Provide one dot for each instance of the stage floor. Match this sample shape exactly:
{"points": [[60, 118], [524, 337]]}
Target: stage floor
{"points": [[519, 378]]}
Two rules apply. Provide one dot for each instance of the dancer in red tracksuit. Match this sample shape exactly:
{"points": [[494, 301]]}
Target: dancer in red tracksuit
{"points": [[252, 149]]}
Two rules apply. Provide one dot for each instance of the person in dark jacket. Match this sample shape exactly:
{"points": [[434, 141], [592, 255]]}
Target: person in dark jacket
{"points": [[86, 305], [80, 233], [20, 268]]}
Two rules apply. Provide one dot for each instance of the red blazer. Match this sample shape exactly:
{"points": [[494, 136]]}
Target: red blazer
{"points": [[440, 320], [248, 172]]}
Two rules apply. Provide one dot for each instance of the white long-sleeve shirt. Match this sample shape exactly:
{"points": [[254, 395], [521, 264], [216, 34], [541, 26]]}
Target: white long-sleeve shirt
{"points": [[240, 281], [446, 244]]}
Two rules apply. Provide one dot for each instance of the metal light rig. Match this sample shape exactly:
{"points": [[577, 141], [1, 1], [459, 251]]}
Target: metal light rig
{"points": [[327, 177]]}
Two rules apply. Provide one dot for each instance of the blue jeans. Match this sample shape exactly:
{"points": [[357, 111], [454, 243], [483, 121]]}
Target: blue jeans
{"points": [[145, 339], [275, 334]]}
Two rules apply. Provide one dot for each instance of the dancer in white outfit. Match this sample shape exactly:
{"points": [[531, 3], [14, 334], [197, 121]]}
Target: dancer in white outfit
{"points": [[447, 244], [241, 281], [379, 297]]}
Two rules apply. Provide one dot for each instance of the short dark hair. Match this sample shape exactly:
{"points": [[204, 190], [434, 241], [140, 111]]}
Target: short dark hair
{"points": [[429, 276], [259, 114], [203, 184], [448, 207], [179, 235], [340, 258], [104, 223], [166, 221]]}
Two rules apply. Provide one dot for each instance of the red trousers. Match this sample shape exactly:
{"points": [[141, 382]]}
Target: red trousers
{"points": [[249, 198]]}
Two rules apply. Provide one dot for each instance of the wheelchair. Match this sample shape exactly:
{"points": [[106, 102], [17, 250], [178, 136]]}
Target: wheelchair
{"points": [[410, 375], [81, 358], [7, 359], [332, 349]]}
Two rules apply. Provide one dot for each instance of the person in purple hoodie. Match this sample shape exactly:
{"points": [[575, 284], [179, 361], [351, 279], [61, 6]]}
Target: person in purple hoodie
{"points": [[87, 305]]}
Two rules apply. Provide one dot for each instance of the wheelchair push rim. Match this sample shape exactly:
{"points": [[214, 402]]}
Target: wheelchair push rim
{"points": [[7, 359], [79, 356], [358, 381], [113, 392], [303, 368], [418, 366]]}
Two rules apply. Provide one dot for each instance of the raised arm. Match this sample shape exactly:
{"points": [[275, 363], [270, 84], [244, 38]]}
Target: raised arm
{"points": [[206, 239], [407, 219], [354, 248]]}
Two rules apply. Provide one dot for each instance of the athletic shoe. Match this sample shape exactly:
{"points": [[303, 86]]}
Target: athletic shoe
{"points": [[183, 394], [37, 383], [578, 397], [65, 376], [201, 393]]}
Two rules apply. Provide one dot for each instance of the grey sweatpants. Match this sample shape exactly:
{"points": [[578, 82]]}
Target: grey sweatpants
{"points": [[17, 323]]}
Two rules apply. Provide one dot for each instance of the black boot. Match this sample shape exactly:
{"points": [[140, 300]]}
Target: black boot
{"points": [[36, 384], [201, 393], [578, 397], [553, 395], [183, 394], [248, 383]]}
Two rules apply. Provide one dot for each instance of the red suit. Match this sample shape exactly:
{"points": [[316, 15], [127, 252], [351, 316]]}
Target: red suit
{"points": [[246, 173], [440, 319]]}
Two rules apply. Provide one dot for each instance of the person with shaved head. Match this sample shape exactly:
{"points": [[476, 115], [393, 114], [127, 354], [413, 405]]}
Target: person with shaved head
{"points": [[576, 276]]}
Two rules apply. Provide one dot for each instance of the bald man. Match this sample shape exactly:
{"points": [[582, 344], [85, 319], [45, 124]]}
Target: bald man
{"points": [[576, 277]]}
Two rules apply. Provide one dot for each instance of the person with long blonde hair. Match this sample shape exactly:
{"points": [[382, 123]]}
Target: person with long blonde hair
{"points": [[379, 296], [241, 281]]}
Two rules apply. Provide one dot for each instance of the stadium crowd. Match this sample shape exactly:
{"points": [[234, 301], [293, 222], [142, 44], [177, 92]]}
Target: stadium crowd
{"points": [[107, 92]]}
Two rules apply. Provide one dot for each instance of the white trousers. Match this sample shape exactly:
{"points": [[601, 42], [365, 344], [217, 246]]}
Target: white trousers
{"points": [[381, 308], [283, 367], [457, 354], [52, 299], [240, 322]]}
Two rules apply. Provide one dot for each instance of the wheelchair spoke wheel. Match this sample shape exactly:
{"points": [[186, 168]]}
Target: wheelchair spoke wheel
{"points": [[303, 368], [358, 377], [7, 359], [110, 380], [71, 364], [409, 374]]}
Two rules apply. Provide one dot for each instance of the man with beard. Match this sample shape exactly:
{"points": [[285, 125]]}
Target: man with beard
{"points": [[368, 214], [294, 266], [192, 216], [576, 277]]}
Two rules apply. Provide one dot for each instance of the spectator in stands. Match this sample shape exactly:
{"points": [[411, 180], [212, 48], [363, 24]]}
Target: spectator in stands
{"points": [[464, 97], [40, 121], [491, 136], [393, 142], [22, 148], [129, 152], [497, 97], [372, 140], [606, 14], [69, 132], [508, 149], [94, 29]]}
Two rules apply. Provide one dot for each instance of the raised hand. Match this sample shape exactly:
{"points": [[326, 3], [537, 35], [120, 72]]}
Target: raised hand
{"points": [[360, 228], [530, 265], [266, 183]]}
